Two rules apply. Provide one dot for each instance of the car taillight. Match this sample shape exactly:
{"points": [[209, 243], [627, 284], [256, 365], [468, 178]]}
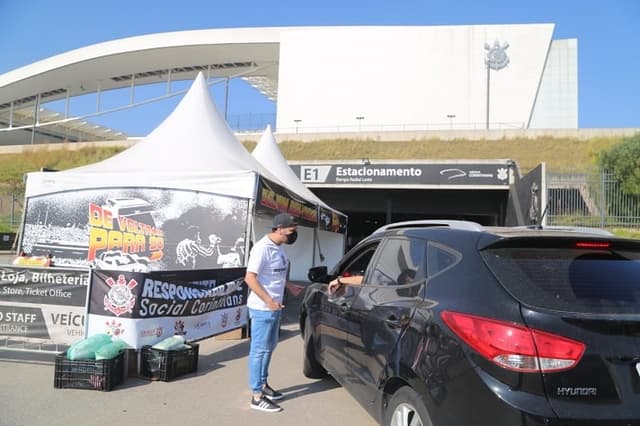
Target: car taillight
{"points": [[593, 245], [513, 346]]}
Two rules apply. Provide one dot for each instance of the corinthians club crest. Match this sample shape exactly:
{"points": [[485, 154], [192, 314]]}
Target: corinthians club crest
{"points": [[114, 328], [120, 299], [496, 55]]}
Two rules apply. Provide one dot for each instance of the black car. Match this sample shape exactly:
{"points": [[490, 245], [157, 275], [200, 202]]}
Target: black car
{"points": [[495, 326]]}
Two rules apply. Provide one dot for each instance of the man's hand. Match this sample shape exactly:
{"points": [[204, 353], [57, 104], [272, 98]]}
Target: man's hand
{"points": [[274, 306], [334, 286]]}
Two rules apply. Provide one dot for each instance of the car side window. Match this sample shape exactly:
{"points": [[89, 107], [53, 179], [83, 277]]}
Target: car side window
{"points": [[440, 258], [358, 263], [401, 261]]}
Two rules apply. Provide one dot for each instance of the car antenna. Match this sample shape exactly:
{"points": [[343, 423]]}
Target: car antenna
{"points": [[541, 218]]}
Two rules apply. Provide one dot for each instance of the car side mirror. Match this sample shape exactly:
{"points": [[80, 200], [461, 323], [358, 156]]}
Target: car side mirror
{"points": [[318, 274]]}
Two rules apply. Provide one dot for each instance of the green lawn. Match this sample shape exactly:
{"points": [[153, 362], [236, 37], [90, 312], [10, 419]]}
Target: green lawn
{"points": [[562, 155], [626, 233]]}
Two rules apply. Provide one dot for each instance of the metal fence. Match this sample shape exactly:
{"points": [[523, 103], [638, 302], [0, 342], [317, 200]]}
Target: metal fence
{"points": [[257, 122], [595, 200], [10, 217]]}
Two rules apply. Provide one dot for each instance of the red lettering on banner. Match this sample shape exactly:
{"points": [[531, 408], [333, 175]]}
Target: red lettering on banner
{"points": [[268, 198], [131, 236], [97, 241], [282, 203], [100, 217]]}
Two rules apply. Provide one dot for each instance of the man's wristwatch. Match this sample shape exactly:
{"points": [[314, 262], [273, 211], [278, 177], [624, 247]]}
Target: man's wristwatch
{"points": [[339, 282]]}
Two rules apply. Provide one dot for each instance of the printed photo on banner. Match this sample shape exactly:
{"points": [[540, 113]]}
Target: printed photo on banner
{"points": [[137, 229]]}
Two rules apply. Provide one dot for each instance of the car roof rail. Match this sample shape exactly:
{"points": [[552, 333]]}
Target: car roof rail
{"points": [[583, 229], [464, 225]]}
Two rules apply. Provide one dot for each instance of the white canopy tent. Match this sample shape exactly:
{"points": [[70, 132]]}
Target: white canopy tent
{"points": [[192, 148], [191, 162], [329, 246]]}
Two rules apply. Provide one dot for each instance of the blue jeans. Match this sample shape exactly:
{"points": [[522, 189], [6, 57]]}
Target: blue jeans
{"points": [[264, 338]]}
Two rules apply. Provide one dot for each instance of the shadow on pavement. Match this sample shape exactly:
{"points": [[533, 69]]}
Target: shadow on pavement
{"points": [[25, 357], [293, 392]]}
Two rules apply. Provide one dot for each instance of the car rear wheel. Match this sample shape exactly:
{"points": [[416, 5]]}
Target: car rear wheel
{"points": [[311, 368], [406, 409]]}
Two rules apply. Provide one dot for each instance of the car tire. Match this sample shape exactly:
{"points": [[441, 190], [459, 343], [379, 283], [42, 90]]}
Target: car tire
{"points": [[311, 368], [406, 408]]}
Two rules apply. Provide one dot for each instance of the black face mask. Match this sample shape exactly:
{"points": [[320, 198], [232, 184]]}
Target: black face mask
{"points": [[292, 237]]}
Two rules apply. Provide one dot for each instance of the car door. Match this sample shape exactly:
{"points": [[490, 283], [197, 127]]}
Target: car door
{"points": [[333, 324], [382, 310]]}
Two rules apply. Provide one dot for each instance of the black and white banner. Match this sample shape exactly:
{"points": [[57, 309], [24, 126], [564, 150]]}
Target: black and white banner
{"points": [[144, 308], [449, 174], [137, 229], [42, 305]]}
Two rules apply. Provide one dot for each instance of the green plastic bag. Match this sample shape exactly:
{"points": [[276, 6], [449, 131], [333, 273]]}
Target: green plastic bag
{"points": [[86, 348], [110, 350], [170, 343]]}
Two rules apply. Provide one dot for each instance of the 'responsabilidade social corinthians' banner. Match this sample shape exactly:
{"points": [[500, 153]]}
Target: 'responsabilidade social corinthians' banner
{"points": [[43, 305], [145, 308]]}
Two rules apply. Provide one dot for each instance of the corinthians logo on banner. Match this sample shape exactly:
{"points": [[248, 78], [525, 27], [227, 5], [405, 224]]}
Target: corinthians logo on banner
{"points": [[120, 299]]}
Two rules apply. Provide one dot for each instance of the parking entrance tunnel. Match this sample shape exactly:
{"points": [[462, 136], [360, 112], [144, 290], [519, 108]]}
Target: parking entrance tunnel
{"points": [[368, 209], [375, 193]]}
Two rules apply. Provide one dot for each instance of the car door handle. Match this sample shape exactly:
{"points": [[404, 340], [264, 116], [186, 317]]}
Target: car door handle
{"points": [[395, 322]]}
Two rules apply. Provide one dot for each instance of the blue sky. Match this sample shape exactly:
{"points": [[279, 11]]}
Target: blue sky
{"points": [[608, 39]]}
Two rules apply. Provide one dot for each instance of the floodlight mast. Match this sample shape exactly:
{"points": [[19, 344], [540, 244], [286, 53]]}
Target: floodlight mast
{"points": [[496, 59]]}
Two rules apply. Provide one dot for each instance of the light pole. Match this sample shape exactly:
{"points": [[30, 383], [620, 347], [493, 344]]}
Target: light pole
{"points": [[297, 121], [451, 117], [359, 119], [496, 59]]}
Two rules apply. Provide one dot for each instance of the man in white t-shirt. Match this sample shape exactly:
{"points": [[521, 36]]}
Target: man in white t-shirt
{"points": [[267, 274]]}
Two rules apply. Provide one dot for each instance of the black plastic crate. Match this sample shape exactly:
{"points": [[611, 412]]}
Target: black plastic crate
{"points": [[101, 374], [159, 364], [6, 240]]}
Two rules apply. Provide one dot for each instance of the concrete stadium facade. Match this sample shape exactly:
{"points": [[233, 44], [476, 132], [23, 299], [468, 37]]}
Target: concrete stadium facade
{"points": [[329, 79], [426, 78]]}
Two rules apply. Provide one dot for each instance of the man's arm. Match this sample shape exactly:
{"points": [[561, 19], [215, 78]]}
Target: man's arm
{"points": [[251, 278], [335, 284]]}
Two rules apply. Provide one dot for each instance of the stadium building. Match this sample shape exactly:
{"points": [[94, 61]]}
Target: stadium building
{"points": [[332, 80]]}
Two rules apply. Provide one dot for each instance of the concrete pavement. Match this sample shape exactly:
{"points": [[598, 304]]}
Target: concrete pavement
{"points": [[217, 394]]}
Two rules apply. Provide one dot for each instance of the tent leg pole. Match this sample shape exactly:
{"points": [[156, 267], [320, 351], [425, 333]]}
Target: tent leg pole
{"points": [[315, 241]]}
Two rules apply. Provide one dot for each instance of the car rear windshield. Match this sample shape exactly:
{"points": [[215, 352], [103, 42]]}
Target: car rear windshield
{"points": [[566, 277]]}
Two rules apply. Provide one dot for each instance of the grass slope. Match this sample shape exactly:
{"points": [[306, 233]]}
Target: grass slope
{"points": [[561, 155]]}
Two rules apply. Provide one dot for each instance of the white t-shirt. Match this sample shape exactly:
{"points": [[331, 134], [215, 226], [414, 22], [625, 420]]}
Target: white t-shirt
{"points": [[270, 263]]}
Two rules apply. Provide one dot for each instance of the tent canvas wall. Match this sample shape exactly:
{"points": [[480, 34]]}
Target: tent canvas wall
{"points": [[178, 199], [328, 239]]}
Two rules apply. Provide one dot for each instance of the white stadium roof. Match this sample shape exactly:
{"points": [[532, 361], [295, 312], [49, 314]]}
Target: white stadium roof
{"points": [[153, 58], [248, 53]]}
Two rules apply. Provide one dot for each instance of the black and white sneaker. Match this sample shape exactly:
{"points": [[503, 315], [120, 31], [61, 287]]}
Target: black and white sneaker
{"points": [[270, 392], [265, 404]]}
